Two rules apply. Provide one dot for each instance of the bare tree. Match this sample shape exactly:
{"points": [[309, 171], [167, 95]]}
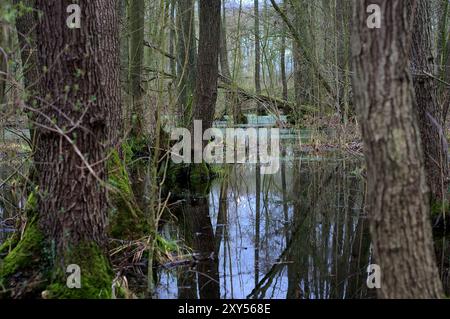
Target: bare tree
{"points": [[187, 57], [137, 10], [208, 62]]}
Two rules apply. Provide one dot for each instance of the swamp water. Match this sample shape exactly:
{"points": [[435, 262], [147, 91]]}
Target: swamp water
{"points": [[300, 233]]}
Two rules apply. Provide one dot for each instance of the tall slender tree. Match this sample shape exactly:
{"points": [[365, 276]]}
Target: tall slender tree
{"points": [[208, 62], [257, 50], [125, 58], [224, 64], [429, 112], [283, 60], [187, 57], [26, 25], [137, 14], [4, 35]]}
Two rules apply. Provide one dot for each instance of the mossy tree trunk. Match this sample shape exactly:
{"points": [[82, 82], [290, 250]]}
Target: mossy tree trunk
{"points": [[398, 210], [72, 206], [78, 91], [205, 95]]}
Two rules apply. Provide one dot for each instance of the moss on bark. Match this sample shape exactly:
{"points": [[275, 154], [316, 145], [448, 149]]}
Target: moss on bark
{"points": [[28, 270], [96, 275], [127, 219], [26, 254], [189, 179], [22, 270]]}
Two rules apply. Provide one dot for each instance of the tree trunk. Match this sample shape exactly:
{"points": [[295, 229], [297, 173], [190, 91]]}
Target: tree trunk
{"points": [[4, 34], [257, 52], [137, 10], [208, 62], [186, 57], [125, 62], [301, 85], [283, 61], [442, 41], [26, 26], [77, 93], [172, 35], [231, 98], [224, 65], [429, 114], [398, 208], [343, 8]]}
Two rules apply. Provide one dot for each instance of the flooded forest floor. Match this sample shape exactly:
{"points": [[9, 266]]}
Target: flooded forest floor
{"points": [[299, 233]]}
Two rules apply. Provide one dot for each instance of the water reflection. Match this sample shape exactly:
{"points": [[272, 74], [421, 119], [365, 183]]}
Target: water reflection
{"points": [[300, 233]]}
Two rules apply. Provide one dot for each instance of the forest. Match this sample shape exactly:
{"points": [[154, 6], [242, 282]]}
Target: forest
{"points": [[224, 149]]}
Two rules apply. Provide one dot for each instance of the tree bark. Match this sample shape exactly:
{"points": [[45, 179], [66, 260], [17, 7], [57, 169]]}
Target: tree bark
{"points": [[283, 61], [137, 10], [430, 116], [26, 26], [187, 57], [397, 206], [257, 51], [172, 35], [208, 62], [300, 68], [125, 61], [4, 35], [224, 65], [78, 91]]}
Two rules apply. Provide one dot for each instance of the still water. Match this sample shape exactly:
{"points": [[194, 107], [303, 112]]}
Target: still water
{"points": [[300, 233]]}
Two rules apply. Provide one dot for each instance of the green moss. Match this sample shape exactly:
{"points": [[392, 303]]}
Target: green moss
{"points": [[31, 204], [13, 240], [438, 208], [96, 275], [176, 173], [27, 268], [218, 171], [118, 175], [9, 244], [127, 220], [22, 255], [26, 254], [199, 173], [137, 146], [189, 179]]}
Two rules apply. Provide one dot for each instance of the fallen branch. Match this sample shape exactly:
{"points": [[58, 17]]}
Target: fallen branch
{"points": [[286, 106]]}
